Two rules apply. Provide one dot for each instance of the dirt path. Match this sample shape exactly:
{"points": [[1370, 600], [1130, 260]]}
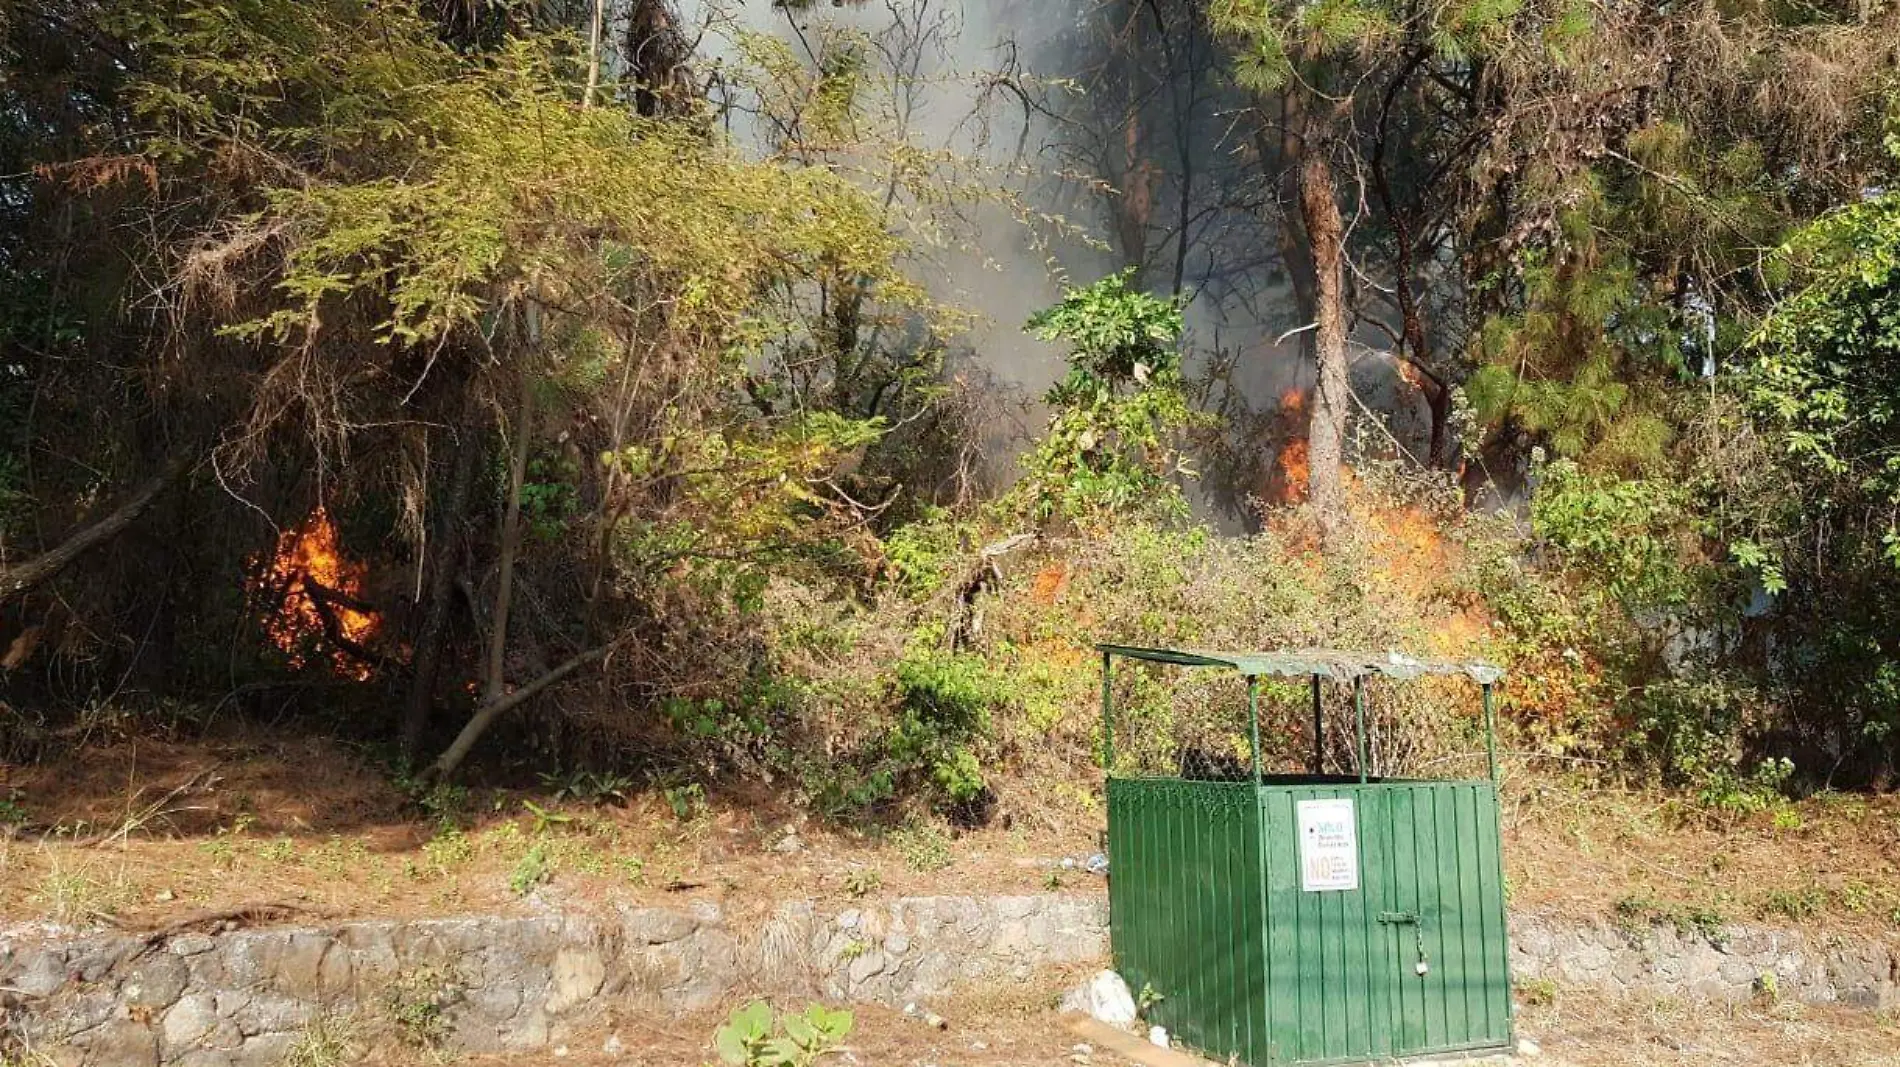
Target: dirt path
{"points": [[1014, 1026]]}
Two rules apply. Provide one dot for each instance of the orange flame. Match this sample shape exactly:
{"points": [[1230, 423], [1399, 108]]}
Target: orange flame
{"points": [[1291, 467], [308, 563], [1294, 471]]}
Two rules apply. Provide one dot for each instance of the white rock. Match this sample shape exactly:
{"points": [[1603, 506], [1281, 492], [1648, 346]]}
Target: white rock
{"points": [[1158, 1036], [613, 1046], [1106, 998], [1528, 1048]]}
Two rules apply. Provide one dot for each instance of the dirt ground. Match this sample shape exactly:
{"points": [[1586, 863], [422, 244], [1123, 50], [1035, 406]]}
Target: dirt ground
{"points": [[135, 833], [1017, 1027]]}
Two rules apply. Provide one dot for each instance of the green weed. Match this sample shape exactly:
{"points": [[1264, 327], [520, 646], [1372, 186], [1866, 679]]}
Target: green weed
{"points": [[924, 846], [416, 1003], [1537, 992], [633, 869], [1799, 905], [862, 881], [448, 849], [534, 868], [752, 1037]]}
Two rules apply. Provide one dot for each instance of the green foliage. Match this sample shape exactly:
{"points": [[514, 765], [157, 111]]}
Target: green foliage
{"points": [[532, 870], [925, 553], [1535, 992], [1825, 374], [1798, 905], [753, 1036], [593, 787], [687, 800], [1110, 447], [1636, 913], [923, 845], [454, 230], [862, 882], [417, 1003], [947, 702], [1694, 726], [1622, 534], [12, 812], [448, 849]]}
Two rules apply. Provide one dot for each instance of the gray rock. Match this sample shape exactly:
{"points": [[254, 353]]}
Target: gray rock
{"points": [[156, 982], [37, 972], [578, 975], [122, 1043], [194, 1023], [299, 970], [655, 926], [190, 944], [866, 965], [265, 1050], [265, 1014]]}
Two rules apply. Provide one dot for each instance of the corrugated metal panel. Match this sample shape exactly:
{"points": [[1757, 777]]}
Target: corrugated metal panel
{"points": [[1208, 914]]}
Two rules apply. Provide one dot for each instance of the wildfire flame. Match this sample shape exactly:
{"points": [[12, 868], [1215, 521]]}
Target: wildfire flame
{"points": [[312, 577], [1294, 471], [1292, 466]]}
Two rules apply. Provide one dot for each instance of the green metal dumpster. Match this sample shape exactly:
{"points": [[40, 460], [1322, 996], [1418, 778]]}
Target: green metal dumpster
{"points": [[1311, 918]]}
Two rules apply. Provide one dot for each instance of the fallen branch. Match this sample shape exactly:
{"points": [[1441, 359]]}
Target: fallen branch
{"points": [[214, 920], [15, 581], [445, 765]]}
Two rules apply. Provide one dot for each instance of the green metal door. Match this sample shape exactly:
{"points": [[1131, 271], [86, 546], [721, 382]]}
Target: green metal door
{"points": [[1329, 969], [1444, 892], [1343, 975]]}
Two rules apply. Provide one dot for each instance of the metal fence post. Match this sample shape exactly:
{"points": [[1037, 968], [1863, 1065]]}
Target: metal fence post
{"points": [[1253, 721], [1108, 718], [1490, 734], [1319, 730], [1359, 714]]}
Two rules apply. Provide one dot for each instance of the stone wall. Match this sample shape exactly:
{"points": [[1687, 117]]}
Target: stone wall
{"points": [[1730, 963], [244, 997]]}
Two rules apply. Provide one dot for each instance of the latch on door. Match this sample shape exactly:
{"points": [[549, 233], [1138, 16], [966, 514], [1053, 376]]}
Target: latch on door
{"points": [[1405, 918]]}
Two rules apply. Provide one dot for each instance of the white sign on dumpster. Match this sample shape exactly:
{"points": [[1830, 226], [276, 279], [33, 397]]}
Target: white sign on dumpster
{"points": [[1329, 845]]}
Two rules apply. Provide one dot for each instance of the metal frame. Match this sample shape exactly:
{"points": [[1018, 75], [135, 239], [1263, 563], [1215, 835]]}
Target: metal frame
{"points": [[1319, 664]]}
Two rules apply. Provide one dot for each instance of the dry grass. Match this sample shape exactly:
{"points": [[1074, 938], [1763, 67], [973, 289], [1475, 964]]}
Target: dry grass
{"points": [[1586, 1029], [1588, 850], [309, 823]]}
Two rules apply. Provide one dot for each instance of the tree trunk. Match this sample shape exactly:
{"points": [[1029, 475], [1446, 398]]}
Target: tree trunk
{"points": [[1414, 342], [494, 686], [593, 53], [447, 557], [15, 581], [1326, 426], [485, 716]]}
